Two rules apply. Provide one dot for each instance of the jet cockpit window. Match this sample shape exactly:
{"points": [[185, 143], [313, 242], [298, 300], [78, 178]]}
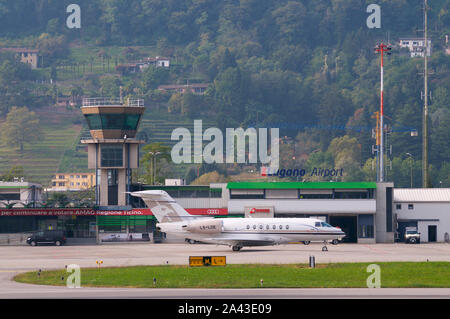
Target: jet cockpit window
{"points": [[317, 224], [326, 225]]}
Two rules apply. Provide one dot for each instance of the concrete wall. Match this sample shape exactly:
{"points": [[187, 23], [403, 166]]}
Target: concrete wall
{"points": [[381, 233], [202, 202], [306, 206], [103, 187]]}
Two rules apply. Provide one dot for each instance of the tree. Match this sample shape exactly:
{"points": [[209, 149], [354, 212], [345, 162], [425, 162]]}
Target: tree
{"points": [[153, 154], [230, 92], [208, 178], [52, 48], [14, 90], [318, 160], [154, 76], [57, 199], [110, 86], [15, 171], [21, 126], [440, 145], [175, 104]]}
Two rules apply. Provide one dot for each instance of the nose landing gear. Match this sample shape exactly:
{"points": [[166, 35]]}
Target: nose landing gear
{"points": [[236, 248], [324, 248]]}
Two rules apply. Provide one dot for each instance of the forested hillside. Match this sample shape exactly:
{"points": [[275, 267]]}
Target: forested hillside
{"points": [[305, 66]]}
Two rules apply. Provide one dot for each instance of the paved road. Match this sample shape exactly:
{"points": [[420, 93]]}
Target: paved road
{"points": [[17, 259]]}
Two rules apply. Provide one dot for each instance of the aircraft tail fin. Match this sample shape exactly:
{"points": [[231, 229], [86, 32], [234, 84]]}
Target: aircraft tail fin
{"points": [[163, 207]]}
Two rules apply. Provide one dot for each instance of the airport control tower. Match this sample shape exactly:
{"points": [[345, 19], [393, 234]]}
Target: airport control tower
{"points": [[113, 150]]}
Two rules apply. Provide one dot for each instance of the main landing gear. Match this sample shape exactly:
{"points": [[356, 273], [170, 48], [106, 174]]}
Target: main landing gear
{"points": [[334, 242], [236, 248]]}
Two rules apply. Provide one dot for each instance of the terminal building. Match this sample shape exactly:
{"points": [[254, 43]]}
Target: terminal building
{"points": [[367, 212], [363, 210], [19, 194]]}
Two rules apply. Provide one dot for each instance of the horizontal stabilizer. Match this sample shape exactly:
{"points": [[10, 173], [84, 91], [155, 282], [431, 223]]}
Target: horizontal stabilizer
{"points": [[163, 207]]}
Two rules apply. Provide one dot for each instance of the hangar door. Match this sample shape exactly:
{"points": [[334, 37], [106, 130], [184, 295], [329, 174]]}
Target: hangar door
{"points": [[348, 226]]}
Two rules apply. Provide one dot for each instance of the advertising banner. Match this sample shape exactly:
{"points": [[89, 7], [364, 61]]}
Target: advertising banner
{"points": [[92, 212], [48, 212], [123, 237], [207, 211], [133, 212]]}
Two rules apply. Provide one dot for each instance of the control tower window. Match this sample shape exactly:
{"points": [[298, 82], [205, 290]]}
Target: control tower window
{"points": [[112, 121], [131, 121], [111, 155]]}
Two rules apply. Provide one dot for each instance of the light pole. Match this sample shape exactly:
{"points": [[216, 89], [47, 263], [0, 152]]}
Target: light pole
{"points": [[382, 49], [412, 161], [425, 177], [153, 155]]}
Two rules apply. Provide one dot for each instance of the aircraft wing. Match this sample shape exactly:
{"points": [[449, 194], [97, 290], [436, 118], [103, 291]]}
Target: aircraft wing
{"points": [[240, 242]]}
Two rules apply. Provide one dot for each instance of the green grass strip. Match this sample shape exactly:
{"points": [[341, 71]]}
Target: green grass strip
{"points": [[335, 275]]}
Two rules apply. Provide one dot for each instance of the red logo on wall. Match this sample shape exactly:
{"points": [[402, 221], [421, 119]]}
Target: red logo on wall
{"points": [[260, 210]]}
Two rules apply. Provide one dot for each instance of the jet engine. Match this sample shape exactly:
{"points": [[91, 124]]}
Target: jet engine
{"points": [[205, 227]]}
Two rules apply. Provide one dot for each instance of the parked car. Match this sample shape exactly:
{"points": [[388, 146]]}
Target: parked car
{"points": [[55, 237], [412, 237]]}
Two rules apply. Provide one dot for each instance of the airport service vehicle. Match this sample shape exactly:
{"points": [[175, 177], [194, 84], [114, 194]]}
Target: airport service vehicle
{"points": [[55, 237], [412, 236], [234, 232]]}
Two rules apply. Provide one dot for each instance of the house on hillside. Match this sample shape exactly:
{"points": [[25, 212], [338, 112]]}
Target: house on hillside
{"points": [[126, 68], [29, 56], [158, 61], [136, 67]]}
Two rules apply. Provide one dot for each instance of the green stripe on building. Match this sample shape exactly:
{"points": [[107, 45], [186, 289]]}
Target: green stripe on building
{"points": [[301, 185]]}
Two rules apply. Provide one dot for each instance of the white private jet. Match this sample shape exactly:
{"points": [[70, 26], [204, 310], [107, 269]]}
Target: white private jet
{"points": [[234, 232]]}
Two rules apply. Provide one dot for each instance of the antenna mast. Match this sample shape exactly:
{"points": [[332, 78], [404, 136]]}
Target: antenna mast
{"points": [[425, 177]]}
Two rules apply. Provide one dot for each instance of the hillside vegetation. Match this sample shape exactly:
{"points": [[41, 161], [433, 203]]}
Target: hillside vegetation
{"points": [[304, 66]]}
